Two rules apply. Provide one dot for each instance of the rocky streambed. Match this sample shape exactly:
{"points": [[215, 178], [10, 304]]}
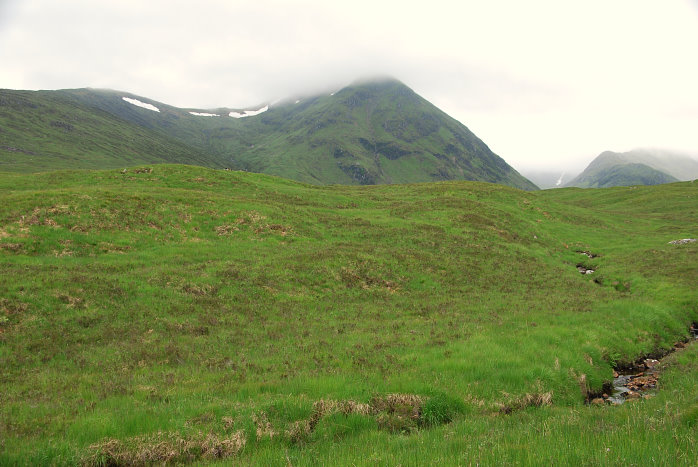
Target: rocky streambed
{"points": [[639, 380]]}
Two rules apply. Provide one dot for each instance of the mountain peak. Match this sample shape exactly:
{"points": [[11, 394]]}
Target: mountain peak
{"points": [[375, 131], [376, 80]]}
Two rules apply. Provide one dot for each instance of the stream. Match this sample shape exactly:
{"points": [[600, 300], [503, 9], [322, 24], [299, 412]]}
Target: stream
{"points": [[640, 380]]}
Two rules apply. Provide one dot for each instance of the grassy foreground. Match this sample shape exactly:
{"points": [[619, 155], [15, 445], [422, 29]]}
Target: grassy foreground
{"points": [[174, 313]]}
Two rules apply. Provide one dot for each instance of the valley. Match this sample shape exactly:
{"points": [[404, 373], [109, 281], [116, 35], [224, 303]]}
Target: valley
{"points": [[185, 314]]}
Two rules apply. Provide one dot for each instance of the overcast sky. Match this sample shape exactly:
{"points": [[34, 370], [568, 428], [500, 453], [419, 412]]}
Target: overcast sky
{"points": [[545, 83]]}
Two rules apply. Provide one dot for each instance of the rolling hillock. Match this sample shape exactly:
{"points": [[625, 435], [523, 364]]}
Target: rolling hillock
{"points": [[173, 313]]}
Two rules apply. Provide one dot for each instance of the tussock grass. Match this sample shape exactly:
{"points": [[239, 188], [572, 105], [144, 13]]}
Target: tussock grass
{"points": [[390, 324]]}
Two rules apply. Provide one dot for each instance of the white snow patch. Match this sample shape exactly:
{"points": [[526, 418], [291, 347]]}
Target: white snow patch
{"points": [[141, 104], [559, 180], [297, 101], [204, 114], [248, 113]]}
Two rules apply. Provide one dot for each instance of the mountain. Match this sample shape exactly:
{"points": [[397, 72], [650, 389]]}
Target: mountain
{"points": [[49, 130], [367, 133], [637, 167], [631, 174]]}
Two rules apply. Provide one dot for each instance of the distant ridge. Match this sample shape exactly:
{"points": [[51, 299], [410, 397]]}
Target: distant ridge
{"points": [[637, 167], [371, 132]]}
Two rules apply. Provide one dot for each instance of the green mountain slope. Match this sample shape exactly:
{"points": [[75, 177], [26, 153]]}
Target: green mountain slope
{"points": [[183, 314], [49, 130], [638, 167], [368, 133], [624, 175]]}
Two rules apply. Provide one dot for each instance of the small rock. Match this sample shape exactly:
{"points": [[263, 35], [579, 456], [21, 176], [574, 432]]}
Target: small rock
{"points": [[682, 241]]}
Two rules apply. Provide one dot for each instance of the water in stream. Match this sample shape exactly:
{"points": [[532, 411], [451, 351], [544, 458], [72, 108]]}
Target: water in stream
{"points": [[640, 381]]}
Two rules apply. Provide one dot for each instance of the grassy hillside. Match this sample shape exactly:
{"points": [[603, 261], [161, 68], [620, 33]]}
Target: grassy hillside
{"points": [[181, 313], [47, 130], [368, 133]]}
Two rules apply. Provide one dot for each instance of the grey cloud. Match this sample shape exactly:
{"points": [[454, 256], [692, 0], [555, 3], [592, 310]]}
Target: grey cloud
{"points": [[500, 67]]}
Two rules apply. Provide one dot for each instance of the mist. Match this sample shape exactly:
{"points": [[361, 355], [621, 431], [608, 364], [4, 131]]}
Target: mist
{"points": [[545, 84]]}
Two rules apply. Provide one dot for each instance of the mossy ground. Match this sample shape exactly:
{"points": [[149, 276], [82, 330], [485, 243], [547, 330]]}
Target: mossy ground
{"points": [[179, 305]]}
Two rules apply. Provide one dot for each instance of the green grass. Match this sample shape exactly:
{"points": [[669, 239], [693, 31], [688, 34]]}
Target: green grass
{"points": [[183, 308]]}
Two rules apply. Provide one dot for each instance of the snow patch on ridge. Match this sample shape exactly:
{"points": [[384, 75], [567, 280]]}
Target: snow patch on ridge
{"points": [[204, 114], [248, 113], [141, 104]]}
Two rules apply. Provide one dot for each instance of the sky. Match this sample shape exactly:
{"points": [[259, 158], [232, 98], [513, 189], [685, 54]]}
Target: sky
{"points": [[547, 84]]}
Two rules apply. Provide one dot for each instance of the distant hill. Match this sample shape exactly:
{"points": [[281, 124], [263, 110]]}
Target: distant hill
{"points": [[366, 133], [632, 174], [638, 167]]}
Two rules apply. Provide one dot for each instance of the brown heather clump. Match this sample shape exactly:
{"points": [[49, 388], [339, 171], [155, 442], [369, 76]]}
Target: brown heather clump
{"points": [[164, 448], [226, 229], [263, 426], [397, 403], [325, 407], [299, 431], [536, 399], [396, 412], [353, 407]]}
